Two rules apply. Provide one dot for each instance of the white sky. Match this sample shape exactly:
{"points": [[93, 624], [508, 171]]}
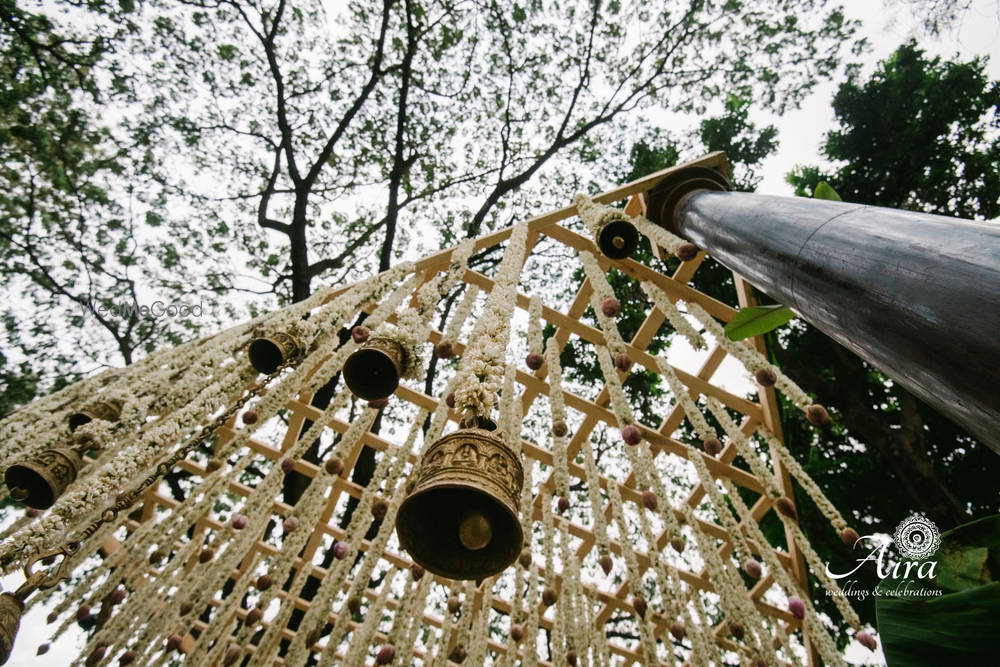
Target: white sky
{"points": [[800, 134]]}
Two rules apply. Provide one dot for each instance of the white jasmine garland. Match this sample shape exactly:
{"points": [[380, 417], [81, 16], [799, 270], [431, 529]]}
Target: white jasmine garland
{"points": [[453, 332], [751, 359], [548, 538], [779, 450], [619, 401], [535, 342], [530, 655], [558, 405], [658, 235], [483, 363], [757, 465], [674, 315], [601, 292], [596, 503]]}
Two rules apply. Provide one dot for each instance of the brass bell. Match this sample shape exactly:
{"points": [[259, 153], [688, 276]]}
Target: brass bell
{"points": [[109, 411], [616, 236], [11, 609], [461, 520], [38, 481], [268, 353], [373, 370]]}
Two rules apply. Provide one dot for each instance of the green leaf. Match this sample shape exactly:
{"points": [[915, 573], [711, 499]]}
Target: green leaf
{"points": [[958, 627], [824, 191], [757, 320]]}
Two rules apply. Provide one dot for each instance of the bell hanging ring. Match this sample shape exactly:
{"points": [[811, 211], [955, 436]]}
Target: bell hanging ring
{"points": [[373, 371], [268, 353], [110, 411], [461, 519], [616, 236], [40, 480]]}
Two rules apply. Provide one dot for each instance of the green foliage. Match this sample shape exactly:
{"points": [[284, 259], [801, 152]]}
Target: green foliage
{"points": [[958, 625], [921, 134], [758, 320]]}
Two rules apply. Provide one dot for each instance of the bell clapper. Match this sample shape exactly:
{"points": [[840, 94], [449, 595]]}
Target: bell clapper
{"points": [[618, 242], [475, 531], [17, 493]]}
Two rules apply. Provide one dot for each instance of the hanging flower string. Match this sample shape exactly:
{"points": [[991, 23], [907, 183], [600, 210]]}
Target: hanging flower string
{"points": [[559, 425], [482, 365]]}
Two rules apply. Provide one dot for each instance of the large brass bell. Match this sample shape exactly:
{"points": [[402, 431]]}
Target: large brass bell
{"points": [[11, 609], [109, 411], [616, 236], [268, 353], [461, 521], [38, 481], [373, 370]]}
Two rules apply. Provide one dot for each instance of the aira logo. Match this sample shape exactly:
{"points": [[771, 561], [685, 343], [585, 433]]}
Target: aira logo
{"points": [[916, 538]]}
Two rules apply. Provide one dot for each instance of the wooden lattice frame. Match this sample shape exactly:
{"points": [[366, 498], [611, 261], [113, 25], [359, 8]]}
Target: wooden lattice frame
{"points": [[595, 411]]}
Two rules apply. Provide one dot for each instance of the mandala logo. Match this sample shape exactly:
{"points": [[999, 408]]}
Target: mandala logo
{"points": [[917, 538]]}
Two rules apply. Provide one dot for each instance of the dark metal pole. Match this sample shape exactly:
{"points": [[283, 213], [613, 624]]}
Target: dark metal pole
{"points": [[916, 295]]}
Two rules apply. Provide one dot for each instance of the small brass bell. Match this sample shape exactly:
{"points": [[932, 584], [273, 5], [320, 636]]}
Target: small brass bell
{"points": [[39, 481], [109, 411], [373, 370], [616, 236], [11, 608], [268, 353], [461, 520]]}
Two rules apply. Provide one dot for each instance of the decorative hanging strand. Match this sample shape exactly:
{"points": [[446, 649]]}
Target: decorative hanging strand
{"points": [[482, 366]]}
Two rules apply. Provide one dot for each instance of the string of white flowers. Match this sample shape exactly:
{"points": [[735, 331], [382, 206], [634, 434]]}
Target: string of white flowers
{"points": [[790, 654], [616, 393], [362, 638], [596, 502], [820, 637], [436, 644], [742, 444], [480, 634], [598, 298], [390, 466], [722, 508], [751, 359], [466, 616], [818, 567], [808, 484], [483, 363], [663, 508], [598, 639], [558, 405], [548, 538], [634, 582], [702, 643], [406, 646], [570, 584], [508, 396], [527, 505], [447, 622], [529, 656], [414, 322], [404, 611], [517, 600], [76, 504], [658, 235], [535, 342], [360, 580], [660, 568], [453, 331], [674, 315], [688, 405]]}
